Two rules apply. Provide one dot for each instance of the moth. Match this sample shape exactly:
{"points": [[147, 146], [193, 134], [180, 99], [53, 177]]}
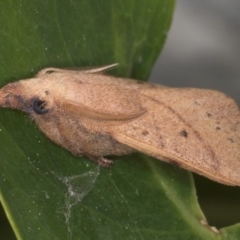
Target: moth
{"points": [[93, 114]]}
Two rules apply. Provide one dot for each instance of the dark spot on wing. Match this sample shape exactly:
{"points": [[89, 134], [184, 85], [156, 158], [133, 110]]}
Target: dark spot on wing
{"points": [[218, 128], [209, 114], [184, 133], [231, 140], [197, 103], [50, 71], [145, 132]]}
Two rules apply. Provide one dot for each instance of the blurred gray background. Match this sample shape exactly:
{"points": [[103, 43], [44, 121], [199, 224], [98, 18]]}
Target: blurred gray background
{"points": [[203, 50], [203, 47]]}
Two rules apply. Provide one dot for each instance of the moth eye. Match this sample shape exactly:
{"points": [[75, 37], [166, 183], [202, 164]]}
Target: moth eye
{"points": [[39, 106]]}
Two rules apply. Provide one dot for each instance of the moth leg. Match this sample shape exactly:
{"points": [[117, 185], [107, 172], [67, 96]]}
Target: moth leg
{"points": [[103, 162]]}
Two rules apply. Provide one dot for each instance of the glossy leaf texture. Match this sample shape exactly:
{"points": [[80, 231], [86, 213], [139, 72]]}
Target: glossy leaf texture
{"points": [[46, 192]]}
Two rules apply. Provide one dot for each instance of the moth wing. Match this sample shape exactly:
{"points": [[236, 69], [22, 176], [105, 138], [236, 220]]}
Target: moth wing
{"points": [[196, 129], [102, 102]]}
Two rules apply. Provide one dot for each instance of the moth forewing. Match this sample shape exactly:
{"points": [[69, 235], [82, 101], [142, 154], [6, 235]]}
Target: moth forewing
{"points": [[183, 126]]}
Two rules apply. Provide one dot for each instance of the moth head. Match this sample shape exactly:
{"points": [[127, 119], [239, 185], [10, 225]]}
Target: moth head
{"points": [[31, 96]]}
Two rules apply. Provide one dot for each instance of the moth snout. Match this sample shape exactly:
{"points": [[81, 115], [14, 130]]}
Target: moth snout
{"points": [[10, 96], [2, 97]]}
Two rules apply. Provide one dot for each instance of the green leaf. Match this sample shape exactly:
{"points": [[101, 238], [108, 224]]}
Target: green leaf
{"points": [[46, 192], [232, 232]]}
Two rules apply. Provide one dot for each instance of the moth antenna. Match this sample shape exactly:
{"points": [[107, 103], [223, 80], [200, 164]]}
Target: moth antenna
{"points": [[99, 69], [76, 70]]}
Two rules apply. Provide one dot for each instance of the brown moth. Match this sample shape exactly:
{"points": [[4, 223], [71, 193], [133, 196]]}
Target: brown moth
{"points": [[96, 115]]}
